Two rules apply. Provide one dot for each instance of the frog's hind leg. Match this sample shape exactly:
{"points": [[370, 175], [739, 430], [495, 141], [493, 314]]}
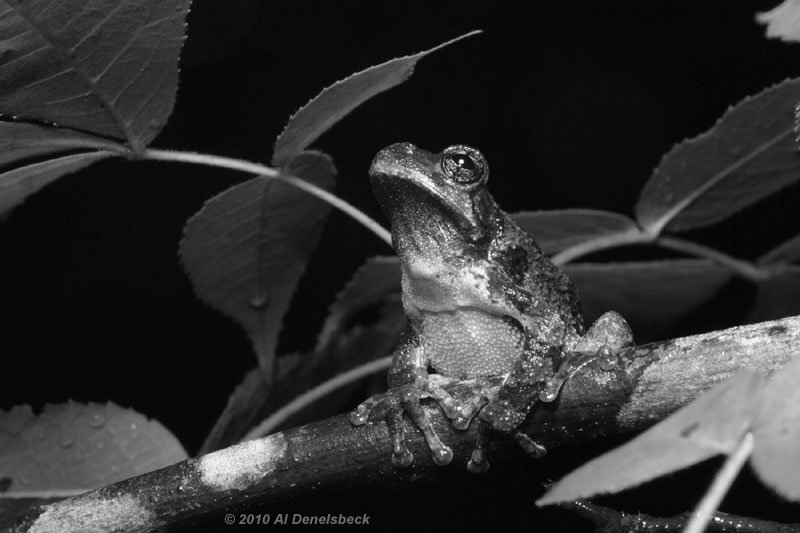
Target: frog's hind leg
{"points": [[602, 342]]}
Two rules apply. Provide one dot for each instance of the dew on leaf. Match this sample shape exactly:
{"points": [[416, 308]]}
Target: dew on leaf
{"points": [[97, 420], [259, 303]]}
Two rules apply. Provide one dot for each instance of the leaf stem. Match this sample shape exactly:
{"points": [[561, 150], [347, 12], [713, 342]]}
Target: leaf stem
{"points": [[722, 483], [587, 247], [278, 417], [743, 268], [263, 170]]}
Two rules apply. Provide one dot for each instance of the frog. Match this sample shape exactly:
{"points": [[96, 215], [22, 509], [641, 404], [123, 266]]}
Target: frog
{"points": [[484, 305]]}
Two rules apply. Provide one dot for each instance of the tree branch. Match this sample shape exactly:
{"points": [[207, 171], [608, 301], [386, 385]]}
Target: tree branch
{"points": [[650, 382]]}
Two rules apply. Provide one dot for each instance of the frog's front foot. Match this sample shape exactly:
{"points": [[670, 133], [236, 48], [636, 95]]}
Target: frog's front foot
{"points": [[406, 399]]}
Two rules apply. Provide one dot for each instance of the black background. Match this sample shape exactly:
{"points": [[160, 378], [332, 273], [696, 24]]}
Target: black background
{"points": [[572, 103]]}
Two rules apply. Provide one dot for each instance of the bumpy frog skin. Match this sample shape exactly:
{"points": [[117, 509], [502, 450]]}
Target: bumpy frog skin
{"points": [[483, 302]]}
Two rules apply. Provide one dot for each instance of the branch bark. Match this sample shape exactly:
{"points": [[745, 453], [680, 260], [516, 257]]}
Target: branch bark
{"points": [[650, 382]]}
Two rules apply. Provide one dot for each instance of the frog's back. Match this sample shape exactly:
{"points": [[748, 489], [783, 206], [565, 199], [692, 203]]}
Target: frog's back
{"points": [[541, 277]]}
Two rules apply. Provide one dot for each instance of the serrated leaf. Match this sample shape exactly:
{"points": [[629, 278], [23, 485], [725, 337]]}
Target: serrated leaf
{"points": [[24, 141], [71, 448], [783, 22], [651, 295], [108, 67], [248, 406], [558, 230], [242, 412], [373, 283], [336, 101], [749, 154], [18, 184], [247, 248], [777, 297], [713, 424], [776, 433], [786, 252], [363, 324]]}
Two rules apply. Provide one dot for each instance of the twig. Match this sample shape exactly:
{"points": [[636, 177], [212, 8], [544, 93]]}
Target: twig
{"points": [[650, 382]]}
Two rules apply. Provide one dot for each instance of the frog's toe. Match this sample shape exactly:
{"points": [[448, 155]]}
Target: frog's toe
{"points": [[441, 453], [401, 455], [530, 446], [605, 355], [478, 463], [362, 413]]}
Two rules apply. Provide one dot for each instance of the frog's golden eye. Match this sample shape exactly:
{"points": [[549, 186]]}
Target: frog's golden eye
{"points": [[464, 165]]}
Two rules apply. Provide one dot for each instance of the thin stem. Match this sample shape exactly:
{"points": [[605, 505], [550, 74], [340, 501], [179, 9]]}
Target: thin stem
{"points": [[744, 268], [262, 170], [269, 424], [600, 243], [721, 485]]}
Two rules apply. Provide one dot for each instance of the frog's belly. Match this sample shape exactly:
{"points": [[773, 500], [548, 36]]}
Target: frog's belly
{"points": [[469, 343]]}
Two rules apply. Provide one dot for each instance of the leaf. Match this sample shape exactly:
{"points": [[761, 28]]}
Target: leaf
{"points": [[783, 22], [373, 283], [24, 141], [777, 433], [18, 184], [247, 248], [784, 253], [558, 230], [363, 324], [777, 297], [336, 101], [747, 155], [109, 67], [71, 448], [712, 424], [242, 412], [652, 295]]}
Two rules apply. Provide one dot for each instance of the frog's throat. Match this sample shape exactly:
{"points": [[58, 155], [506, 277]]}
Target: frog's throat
{"points": [[410, 190]]}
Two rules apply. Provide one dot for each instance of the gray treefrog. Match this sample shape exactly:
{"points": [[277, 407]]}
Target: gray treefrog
{"points": [[483, 303]]}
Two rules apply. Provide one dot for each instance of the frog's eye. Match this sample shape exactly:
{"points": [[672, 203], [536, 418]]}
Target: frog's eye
{"points": [[464, 165]]}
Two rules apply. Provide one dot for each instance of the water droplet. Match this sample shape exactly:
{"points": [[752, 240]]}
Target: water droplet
{"points": [[96, 420], [258, 302], [66, 440], [25, 480], [115, 469]]}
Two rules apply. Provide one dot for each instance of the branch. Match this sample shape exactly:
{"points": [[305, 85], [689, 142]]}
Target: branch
{"points": [[650, 382]]}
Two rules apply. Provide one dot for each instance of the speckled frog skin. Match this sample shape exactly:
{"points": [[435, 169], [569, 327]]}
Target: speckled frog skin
{"points": [[483, 304]]}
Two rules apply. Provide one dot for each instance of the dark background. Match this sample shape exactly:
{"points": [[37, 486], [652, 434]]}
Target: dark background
{"points": [[572, 103]]}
